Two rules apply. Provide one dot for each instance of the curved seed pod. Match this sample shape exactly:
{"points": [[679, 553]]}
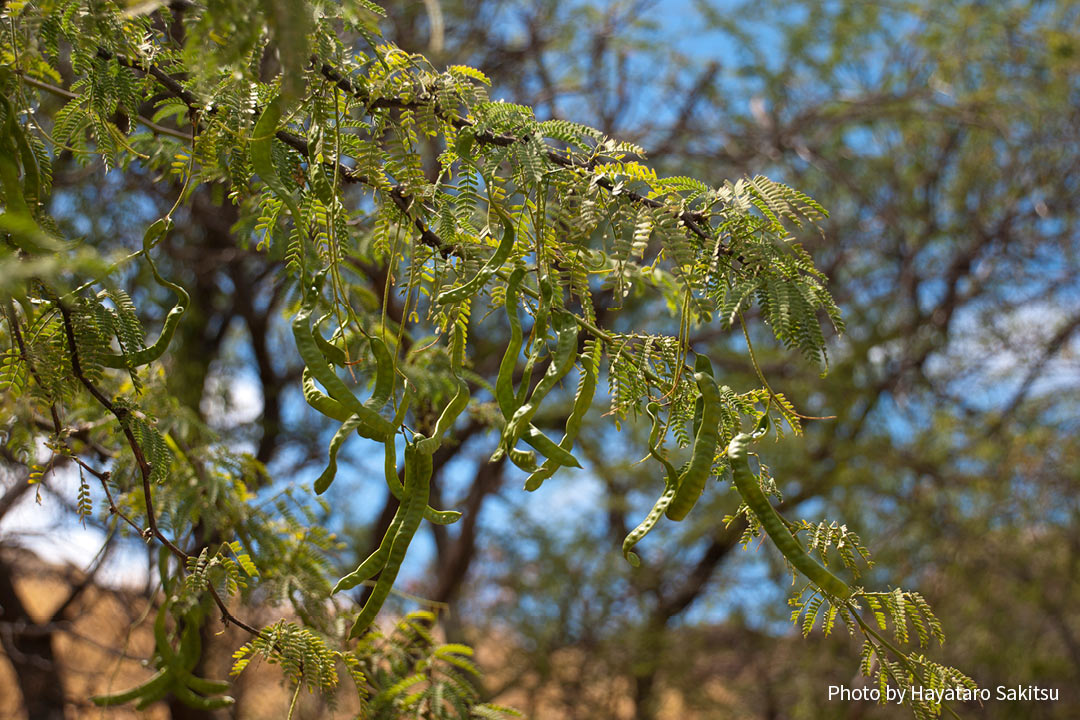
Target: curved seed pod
{"points": [[504, 383], [161, 639], [539, 330], [325, 404], [496, 261], [157, 695], [750, 490], [372, 425], [377, 560], [151, 353], [542, 444], [159, 681], [415, 497], [372, 564], [702, 364], [692, 481], [333, 354], [262, 159], [590, 362], [198, 702], [566, 330], [459, 402], [671, 485], [446, 420], [438, 517], [548, 447], [204, 686], [384, 374], [14, 143], [504, 388], [190, 647], [322, 483], [524, 459], [18, 213]]}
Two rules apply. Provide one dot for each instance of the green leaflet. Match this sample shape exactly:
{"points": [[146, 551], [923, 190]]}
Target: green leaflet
{"points": [[775, 527], [149, 354]]}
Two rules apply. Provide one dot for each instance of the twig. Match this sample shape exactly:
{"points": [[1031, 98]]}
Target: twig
{"points": [[121, 415]]}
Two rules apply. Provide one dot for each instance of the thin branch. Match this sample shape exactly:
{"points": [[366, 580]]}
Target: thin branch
{"points": [[121, 415], [690, 218], [67, 94]]}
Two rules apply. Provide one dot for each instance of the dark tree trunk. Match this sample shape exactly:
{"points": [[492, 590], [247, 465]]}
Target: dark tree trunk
{"points": [[29, 649]]}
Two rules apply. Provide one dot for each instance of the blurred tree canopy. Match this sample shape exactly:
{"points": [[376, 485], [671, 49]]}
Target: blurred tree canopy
{"points": [[940, 137]]}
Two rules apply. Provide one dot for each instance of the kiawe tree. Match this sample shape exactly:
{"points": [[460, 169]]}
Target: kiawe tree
{"points": [[400, 213]]}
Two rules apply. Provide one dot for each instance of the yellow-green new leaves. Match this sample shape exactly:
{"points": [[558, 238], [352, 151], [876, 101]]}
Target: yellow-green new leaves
{"points": [[775, 527]]}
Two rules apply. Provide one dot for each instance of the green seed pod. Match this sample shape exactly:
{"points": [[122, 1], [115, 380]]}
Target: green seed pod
{"points": [[151, 353], [692, 481], [590, 363], [414, 500], [775, 527], [671, 485], [496, 261]]}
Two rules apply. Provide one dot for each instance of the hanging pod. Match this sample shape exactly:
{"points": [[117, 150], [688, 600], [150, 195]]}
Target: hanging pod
{"points": [[692, 481], [671, 484], [152, 352], [508, 400], [590, 364], [750, 489], [477, 282], [410, 511]]}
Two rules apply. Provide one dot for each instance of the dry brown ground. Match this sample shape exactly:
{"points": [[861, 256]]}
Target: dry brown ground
{"points": [[103, 649]]}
